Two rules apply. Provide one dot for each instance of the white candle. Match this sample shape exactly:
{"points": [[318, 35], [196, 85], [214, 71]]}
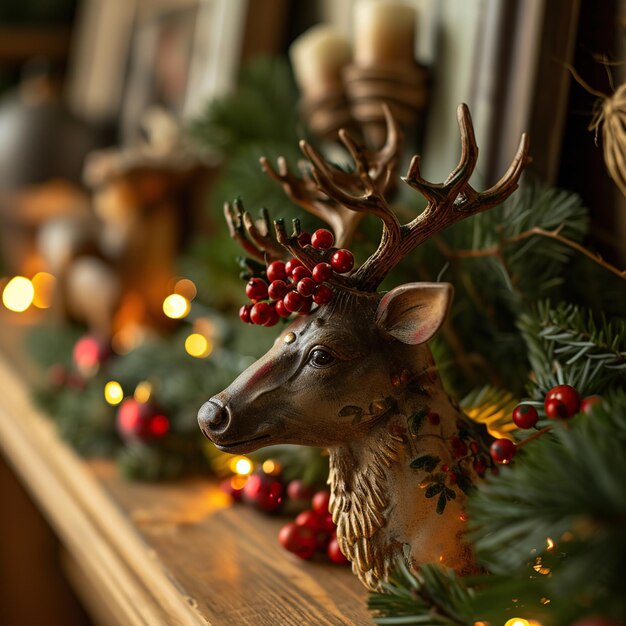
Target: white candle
{"points": [[318, 57], [384, 33]]}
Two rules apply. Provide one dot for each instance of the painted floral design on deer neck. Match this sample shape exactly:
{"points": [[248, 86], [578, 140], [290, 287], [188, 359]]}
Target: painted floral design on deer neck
{"points": [[355, 374]]}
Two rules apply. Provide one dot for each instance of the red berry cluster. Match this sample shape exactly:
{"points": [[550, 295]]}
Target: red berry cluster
{"points": [[561, 402], [313, 531], [292, 288]]}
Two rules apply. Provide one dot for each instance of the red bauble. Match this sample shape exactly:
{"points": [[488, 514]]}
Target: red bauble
{"points": [[293, 301], [556, 410], [587, 404], [335, 554], [281, 310], [306, 287], [320, 502], [273, 318], [244, 314], [322, 272], [298, 539], [322, 295], [291, 265], [311, 520], [141, 421], [276, 271], [299, 273], [322, 239], [566, 395], [299, 490], [327, 523], [256, 289], [89, 354], [525, 416], [260, 313], [278, 289], [502, 451], [342, 261], [264, 492]]}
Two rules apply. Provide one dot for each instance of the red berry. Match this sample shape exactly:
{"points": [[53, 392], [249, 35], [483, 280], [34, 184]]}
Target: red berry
{"points": [[291, 265], [309, 519], [293, 301], [306, 287], [141, 421], [322, 239], [568, 396], [328, 525], [433, 418], [89, 353], [304, 239], [342, 261], [298, 539], [589, 402], [278, 289], [322, 295], [260, 313], [320, 502], [459, 447], [273, 318], [299, 490], [556, 410], [502, 451], [256, 289], [276, 271], [335, 554], [525, 416], [244, 314], [306, 306], [299, 273], [263, 492], [322, 272], [480, 467], [281, 310]]}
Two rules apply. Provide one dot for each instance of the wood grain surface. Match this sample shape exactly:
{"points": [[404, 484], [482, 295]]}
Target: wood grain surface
{"points": [[169, 553]]}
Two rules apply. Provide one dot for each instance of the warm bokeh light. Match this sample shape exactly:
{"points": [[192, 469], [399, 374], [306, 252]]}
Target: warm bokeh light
{"points": [[128, 338], [186, 288], [143, 392], [241, 465], [18, 294], [176, 306], [271, 467], [113, 392], [198, 345], [516, 621], [238, 482], [43, 286], [550, 544]]}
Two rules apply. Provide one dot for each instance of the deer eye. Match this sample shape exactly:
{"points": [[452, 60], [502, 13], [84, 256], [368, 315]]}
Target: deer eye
{"points": [[321, 358]]}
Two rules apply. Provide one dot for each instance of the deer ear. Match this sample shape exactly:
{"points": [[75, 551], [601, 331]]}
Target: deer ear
{"points": [[413, 313]]}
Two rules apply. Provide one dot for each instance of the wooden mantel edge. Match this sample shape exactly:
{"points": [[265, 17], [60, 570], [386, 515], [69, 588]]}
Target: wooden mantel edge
{"points": [[90, 524]]}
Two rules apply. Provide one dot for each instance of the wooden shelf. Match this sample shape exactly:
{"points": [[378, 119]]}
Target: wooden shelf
{"points": [[173, 553]]}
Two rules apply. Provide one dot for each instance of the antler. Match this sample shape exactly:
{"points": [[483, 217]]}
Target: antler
{"points": [[307, 193], [245, 232], [448, 202]]}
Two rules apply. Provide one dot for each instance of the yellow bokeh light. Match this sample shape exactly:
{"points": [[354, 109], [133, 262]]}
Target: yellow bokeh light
{"points": [[271, 467], [18, 294], [516, 621], [550, 544], [176, 306], [186, 288], [43, 285], [241, 465], [198, 345], [143, 392], [113, 392]]}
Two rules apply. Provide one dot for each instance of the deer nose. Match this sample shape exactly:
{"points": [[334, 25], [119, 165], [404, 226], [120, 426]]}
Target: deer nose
{"points": [[213, 418]]}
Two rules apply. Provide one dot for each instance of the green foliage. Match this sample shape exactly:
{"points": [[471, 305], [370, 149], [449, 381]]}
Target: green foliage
{"points": [[567, 344]]}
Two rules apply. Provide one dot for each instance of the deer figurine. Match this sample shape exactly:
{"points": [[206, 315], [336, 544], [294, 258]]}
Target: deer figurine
{"points": [[356, 375]]}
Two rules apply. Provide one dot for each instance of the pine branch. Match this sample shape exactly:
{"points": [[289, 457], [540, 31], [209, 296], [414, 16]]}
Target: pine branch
{"points": [[433, 596], [567, 345]]}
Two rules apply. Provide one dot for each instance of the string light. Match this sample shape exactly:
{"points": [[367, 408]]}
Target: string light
{"points": [[550, 544], [113, 392], [143, 392], [241, 465], [198, 345], [186, 288], [271, 467], [517, 621], [18, 294], [176, 306], [43, 287]]}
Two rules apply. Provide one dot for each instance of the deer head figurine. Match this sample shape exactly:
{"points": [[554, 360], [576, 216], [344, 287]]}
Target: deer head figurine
{"points": [[356, 375]]}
